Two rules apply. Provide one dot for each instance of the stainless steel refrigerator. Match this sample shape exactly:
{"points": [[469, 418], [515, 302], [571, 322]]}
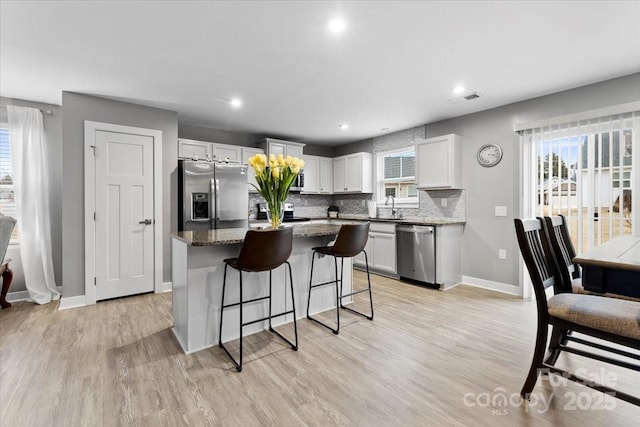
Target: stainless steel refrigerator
{"points": [[212, 195]]}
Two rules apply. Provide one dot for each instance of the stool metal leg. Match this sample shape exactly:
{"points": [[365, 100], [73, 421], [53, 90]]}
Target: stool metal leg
{"points": [[294, 347], [311, 286], [370, 317], [224, 282]]}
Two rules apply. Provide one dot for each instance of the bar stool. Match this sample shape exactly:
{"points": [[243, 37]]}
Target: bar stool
{"points": [[261, 251], [351, 240]]}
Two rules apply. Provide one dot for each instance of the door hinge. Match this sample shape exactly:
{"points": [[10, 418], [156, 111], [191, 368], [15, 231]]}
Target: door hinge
{"points": [[95, 281], [94, 216], [94, 149]]}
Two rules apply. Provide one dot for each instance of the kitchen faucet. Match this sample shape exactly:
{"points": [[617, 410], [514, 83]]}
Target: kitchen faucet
{"points": [[394, 211]]}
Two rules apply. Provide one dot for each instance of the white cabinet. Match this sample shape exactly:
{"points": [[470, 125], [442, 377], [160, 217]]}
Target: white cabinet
{"points": [[326, 175], [318, 175], [380, 248], [311, 174], [439, 163], [247, 153], [189, 149], [353, 173], [280, 146], [227, 153]]}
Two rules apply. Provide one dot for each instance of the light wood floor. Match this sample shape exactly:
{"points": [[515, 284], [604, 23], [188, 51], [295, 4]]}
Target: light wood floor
{"points": [[429, 358]]}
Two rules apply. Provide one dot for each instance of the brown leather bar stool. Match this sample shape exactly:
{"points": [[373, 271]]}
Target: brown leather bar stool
{"points": [[351, 240], [261, 251]]}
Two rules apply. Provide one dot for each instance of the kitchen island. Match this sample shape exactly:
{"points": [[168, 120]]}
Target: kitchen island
{"points": [[197, 274]]}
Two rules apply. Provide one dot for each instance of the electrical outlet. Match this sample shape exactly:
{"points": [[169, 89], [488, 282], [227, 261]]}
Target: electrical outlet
{"points": [[443, 203], [502, 254], [501, 211], [341, 202], [364, 203]]}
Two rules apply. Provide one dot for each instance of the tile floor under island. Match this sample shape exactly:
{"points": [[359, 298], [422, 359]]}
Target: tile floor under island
{"points": [[430, 358]]}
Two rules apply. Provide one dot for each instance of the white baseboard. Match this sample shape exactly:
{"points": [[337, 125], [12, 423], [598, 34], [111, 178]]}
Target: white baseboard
{"points": [[18, 296], [72, 302], [448, 287], [167, 286], [504, 288]]}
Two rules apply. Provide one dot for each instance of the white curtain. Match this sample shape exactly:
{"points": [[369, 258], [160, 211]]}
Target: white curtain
{"points": [[31, 186]]}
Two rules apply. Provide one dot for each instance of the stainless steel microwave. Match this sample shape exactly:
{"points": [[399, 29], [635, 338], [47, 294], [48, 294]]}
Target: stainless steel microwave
{"points": [[298, 183]]}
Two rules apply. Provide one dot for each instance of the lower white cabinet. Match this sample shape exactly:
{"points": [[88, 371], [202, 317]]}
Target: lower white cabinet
{"points": [[380, 248]]}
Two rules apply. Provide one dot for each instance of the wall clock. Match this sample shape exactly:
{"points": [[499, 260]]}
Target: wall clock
{"points": [[489, 155]]}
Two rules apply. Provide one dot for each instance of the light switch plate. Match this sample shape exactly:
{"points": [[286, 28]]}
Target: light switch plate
{"points": [[501, 211], [502, 254]]}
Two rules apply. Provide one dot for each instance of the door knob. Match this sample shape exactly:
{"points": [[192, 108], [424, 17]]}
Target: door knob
{"points": [[146, 221]]}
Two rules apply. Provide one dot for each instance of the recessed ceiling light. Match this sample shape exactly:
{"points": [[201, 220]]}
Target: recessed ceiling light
{"points": [[337, 25], [458, 89], [343, 126], [236, 102]]}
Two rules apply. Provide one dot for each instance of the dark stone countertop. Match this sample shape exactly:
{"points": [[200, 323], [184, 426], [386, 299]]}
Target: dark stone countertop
{"points": [[229, 236]]}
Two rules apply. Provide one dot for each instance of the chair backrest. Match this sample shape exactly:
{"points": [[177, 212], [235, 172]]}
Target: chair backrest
{"points": [[6, 228], [351, 239], [538, 257], [265, 249], [562, 249]]}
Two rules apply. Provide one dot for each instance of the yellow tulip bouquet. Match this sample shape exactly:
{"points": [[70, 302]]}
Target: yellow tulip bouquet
{"points": [[275, 178]]}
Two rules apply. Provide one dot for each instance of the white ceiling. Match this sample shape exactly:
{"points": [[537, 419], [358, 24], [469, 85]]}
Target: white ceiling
{"points": [[394, 66]]}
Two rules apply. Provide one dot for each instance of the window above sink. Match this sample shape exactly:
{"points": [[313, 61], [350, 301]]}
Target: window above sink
{"points": [[396, 177]]}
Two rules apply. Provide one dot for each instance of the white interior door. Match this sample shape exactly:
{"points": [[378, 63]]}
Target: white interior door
{"points": [[124, 221]]}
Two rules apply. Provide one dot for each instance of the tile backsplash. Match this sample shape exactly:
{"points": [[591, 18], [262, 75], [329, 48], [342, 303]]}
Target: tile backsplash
{"points": [[315, 205]]}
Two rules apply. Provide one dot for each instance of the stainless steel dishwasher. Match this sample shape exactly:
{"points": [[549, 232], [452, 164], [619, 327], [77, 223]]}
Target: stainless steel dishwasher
{"points": [[416, 252]]}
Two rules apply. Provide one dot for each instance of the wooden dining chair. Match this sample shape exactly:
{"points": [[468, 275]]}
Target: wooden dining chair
{"points": [[612, 320], [564, 252]]}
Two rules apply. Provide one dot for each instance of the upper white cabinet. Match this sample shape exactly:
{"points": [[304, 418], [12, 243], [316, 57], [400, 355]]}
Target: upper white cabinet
{"points": [[318, 175], [326, 175], [227, 153], [247, 153], [189, 149], [280, 146], [353, 173], [439, 163], [311, 174]]}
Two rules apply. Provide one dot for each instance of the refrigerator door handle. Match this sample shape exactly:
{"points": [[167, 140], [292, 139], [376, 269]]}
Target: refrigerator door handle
{"points": [[215, 197]]}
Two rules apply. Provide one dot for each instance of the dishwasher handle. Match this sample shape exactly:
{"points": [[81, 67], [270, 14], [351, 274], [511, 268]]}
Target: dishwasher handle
{"points": [[417, 229]]}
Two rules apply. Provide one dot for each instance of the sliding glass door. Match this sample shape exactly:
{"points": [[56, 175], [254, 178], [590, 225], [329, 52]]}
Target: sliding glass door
{"points": [[585, 172]]}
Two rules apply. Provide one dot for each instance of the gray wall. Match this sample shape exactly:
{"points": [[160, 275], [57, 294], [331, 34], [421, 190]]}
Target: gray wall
{"points": [[53, 133], [77, 109], [485, 188]]}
